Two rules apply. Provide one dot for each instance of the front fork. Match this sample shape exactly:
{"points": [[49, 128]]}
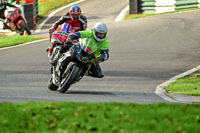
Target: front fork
{"points": [[19, 22], [58, 68]]}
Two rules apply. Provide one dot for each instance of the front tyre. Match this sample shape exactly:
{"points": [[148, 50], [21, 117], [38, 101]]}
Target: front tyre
{"points": [[69, 79], [25, 28], [51, 86]]}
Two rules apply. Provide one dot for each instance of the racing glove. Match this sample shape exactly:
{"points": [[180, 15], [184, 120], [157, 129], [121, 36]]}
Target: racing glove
{"points": [[98, 60], [53, 29], [72, 36], [86, 60]]}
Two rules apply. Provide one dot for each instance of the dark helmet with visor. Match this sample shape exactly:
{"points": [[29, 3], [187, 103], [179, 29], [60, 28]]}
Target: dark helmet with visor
{"points": [[75, 12]]}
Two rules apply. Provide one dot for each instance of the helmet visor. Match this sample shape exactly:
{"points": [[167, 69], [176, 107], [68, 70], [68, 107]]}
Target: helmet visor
{"points": [[75, 16], [100, 35]]}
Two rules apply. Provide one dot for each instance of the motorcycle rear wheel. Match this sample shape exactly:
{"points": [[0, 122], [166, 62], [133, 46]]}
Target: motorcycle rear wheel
{"points": [[69, 79], [25, 28], [51, 86]]}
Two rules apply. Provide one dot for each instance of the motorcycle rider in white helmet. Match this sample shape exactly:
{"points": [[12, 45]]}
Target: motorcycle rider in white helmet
{"points": [[95, 39]]}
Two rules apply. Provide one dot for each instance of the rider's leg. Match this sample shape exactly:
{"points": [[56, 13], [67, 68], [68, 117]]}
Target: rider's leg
{"points": [[5, 26], [57, 56], [95, 71]]}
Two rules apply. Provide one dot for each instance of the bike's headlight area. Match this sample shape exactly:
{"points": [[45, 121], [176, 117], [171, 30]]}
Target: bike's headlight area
{"points": [[53, 41], [71, 52]]}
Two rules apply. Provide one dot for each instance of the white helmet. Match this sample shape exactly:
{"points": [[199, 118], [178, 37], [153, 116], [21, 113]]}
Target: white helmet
{"points": [[100, 31]]}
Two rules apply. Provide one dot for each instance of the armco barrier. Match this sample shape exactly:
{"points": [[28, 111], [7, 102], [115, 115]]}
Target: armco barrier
{"points": [[35, 8], [184, 4], [164, 6], [148, 6], [160, 6], [29, 15]]}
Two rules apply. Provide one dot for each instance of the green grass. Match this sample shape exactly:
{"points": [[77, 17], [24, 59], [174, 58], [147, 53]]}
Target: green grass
{"points": [[65, 117], [189, 85], [45, 5], [135, 16], [16, 40]]}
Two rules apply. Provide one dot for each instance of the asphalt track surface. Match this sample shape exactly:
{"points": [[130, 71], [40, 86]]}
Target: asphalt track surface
{"points": [[143, 53]]}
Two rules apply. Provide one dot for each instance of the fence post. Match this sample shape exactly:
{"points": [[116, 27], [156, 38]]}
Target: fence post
{"points": [[28, 13], [35, 8], [133, 4]]}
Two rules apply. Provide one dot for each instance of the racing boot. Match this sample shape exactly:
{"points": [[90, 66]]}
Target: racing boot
{"points": [[5, 26], [89, 73]]}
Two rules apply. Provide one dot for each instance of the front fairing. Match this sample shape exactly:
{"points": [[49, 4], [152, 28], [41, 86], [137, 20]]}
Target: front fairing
{"points": [[61, 33], [73, 55], [76, 53], [82, 51]]}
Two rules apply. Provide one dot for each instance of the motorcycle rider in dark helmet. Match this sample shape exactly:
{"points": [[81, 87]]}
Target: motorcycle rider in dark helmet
{"points": [[3, 7], [95, 39], [74, 17]]}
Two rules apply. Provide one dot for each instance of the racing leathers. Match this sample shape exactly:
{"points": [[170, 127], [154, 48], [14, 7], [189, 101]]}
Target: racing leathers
{"points": [[101, 50], [77, 25], [3, 7]]}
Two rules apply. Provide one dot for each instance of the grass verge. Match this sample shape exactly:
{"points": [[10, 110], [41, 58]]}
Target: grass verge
{"points": [[68, 117], [188, 85], [16, 40], [135, 16], [45, 5]]}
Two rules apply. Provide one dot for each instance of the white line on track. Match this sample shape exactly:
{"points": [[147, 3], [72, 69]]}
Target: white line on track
{"points": [[122, 14], [160, 91], [24, 44]]}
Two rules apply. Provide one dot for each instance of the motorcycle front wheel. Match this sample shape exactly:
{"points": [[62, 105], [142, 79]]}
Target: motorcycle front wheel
{"points": [[67, 81], [25, 28], [51, 86]]}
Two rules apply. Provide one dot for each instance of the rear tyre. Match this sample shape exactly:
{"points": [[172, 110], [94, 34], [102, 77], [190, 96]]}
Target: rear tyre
{"points": [[69, 79], [25, 28], [51, 86]]}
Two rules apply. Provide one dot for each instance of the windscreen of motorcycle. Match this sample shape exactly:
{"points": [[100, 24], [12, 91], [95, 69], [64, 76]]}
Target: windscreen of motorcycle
{"points": [[65, 27], [62, 32]]}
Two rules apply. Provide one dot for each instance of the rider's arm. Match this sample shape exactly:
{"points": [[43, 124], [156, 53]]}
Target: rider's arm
{"points": [[83, 21], [80, 34], [62, 20], [59, 22], [74, 36], [104, 51], [104, 56]]}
